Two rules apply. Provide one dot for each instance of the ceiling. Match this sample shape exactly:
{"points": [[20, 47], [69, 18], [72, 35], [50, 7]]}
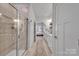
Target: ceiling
{"points": [[42, 11], [23, 8]]}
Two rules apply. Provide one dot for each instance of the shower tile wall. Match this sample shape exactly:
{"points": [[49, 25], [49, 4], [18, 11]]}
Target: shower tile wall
{"points": [[7, 30], [7, 38]]}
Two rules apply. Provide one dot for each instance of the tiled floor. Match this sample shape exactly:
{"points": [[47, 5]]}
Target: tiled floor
{"points": [[13, 53]]}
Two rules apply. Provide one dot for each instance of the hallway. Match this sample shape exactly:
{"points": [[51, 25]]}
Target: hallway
{"points": [[39, 29]]}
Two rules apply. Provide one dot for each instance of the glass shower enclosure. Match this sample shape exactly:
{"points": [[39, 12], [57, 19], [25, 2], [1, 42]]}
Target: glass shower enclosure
{"points": [[13, 31]]}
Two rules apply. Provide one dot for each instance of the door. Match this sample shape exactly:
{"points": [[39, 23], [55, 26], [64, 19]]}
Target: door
{"points": [[70, 38], [67, 16]]}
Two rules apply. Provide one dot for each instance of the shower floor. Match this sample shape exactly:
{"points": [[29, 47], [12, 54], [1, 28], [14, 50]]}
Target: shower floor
{"points": [[13, 53]]}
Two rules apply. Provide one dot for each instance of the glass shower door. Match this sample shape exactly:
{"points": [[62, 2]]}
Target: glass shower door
{"points": [[23, 35]]}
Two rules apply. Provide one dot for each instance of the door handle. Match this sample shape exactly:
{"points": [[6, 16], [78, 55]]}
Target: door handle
{"points": [[55, 37]]}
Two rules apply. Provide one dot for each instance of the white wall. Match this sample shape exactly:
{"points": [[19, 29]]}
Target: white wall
{"points": [[31, 20]]}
